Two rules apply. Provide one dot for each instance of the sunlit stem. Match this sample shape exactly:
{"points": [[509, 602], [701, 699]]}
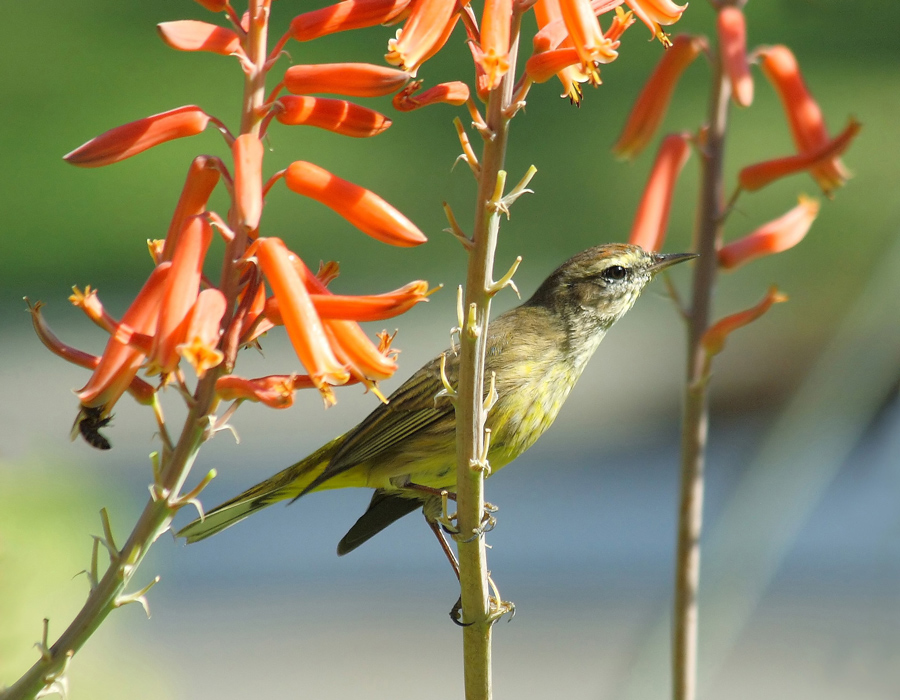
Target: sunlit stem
{"points": [[468, 154]]}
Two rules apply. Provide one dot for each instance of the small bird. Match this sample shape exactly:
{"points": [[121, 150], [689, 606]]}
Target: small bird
{"points": [[406, 449]]}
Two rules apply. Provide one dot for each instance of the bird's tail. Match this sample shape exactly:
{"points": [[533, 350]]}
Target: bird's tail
{"points": [[289, 483]]}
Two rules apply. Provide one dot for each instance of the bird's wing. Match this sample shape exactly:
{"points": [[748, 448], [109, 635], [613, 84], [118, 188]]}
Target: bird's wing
{"points": [[409, 409], [383, 510]]}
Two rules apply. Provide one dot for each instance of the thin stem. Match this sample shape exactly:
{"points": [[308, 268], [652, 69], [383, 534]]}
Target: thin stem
{"points": [[470, 410], [696, 397]]}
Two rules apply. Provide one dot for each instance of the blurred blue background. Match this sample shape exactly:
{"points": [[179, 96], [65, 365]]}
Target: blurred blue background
{"points": [[801, 582]]}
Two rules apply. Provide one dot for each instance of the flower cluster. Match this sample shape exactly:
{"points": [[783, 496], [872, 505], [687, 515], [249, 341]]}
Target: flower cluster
{"points": [[180, 316], [818, 153]]}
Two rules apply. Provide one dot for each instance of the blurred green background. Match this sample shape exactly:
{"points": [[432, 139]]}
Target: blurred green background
{"points": [[584, 542]]}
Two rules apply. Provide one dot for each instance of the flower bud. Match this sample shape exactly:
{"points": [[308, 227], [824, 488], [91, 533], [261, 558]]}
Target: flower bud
{"points": [[452, 93], [650, 107], [352, 79], [364, 209], [340, 116], [732, 29], [191, 35], [774, 237], [649, 228], [350, 14], [247, 151], [135, 137]]}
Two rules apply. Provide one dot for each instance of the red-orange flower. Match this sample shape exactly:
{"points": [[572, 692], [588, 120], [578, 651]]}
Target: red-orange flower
{"points": [[453, 93], [350, 14], [587, 37], [138, 388], [340, 116], [804, 115], [202, 337], [713, 341], [424, 28], [732, 30], [303, 326], [758, 175], [650, 107], [135, 137], [654, 13], [353, 79], [120, 361], [364, 209], [181, 290], [191, 35], [247, 151], [369, 307], [774, 237], [649, 228], [493, 54], [275, 391], [202, 178]]}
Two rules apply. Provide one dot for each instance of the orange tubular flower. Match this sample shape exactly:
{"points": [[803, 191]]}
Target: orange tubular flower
{"points": [[340, 116], [352, 79], [452, 93], [303, 325], [89, 302], [587, 37], [120, 361], [370, 307], [494, 54], [275, 391], [350, 14], [202, 338], [649, 228], [364, 209], [774, 237], [247, 151], [135, 137], [543, 66], [191, 35], [424, 28], [804, 115], [651, 105], [656, 12], [181, 290], [202, 178], [139, 389], [732, 29], [757, 176], [713, 341]]}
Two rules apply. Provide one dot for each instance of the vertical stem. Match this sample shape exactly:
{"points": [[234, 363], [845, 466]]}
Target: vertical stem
{"points": [[470, 414], [696, 397]]}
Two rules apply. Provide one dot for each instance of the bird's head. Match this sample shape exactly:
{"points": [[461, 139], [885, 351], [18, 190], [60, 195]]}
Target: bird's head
{"points": [[595, 288]]}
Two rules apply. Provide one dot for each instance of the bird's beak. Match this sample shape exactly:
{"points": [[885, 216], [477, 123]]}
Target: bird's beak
{"points": [[663, 260]]}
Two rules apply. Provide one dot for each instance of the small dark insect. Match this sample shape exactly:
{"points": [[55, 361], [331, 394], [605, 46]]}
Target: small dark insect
{"points": [[89, 422]]}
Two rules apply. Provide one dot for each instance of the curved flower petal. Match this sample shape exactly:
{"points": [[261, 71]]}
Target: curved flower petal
{"points": [[361, 207], [654, 13], [203, 330], [424, 28], [135, 137], [202, 178], [713, 341]]}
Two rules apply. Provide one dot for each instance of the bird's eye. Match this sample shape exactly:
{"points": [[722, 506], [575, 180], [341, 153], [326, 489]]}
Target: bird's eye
{"points": [[614, 273]]}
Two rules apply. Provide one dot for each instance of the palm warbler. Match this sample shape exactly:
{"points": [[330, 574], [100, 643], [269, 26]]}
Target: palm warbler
{"points": [[537, 352]]}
